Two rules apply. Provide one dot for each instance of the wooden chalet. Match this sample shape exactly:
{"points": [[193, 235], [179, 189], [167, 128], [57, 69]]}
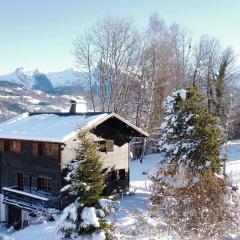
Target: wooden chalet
{"points": [[34, 148]]}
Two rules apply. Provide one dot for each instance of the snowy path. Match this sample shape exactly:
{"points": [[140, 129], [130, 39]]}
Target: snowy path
{"points": [[132, 219], [139, 185]]}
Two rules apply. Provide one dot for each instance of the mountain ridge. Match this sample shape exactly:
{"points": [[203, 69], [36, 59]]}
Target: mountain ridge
{"points": [[38, 80]]}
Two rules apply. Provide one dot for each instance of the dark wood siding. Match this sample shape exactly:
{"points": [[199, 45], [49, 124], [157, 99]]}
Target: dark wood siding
{"points": [[31, 167]]}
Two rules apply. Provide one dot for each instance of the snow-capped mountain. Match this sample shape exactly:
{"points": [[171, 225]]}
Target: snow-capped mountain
{"points": [[68, 77], [31, 79], [20, 76], [31, 90], [34, 79]]}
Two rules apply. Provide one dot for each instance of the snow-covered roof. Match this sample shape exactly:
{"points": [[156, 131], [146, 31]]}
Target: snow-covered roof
{"points": [[53, 127], [46, 127]]}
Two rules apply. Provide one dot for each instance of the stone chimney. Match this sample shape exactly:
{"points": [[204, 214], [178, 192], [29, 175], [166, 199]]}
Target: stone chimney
{"points": [[78, 106]]}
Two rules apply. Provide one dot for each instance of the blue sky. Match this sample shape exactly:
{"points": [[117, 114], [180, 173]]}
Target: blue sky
{"points": [[39, 33]]}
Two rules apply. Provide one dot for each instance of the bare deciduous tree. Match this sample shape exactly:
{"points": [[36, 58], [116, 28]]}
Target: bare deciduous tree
{"points": [[108, 54], [166, 66]]}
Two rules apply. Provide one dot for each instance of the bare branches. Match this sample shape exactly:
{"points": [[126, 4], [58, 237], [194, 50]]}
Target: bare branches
{"points": [[130, 73], [108, 55]]}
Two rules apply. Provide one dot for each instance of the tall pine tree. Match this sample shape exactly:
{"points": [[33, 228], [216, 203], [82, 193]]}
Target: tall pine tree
{"points": [[84, 217]]}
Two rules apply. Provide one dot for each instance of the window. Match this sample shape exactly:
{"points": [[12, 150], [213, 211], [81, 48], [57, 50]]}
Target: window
{"points": [[40, 148], [10, 145], [7, 145], [105, 145], [51, 149], [114, 175], [109, 145], [15, 146], [47, 149], [44, 184], [122, 174], [1, 145], [37, 149], [20, 180], [101, 145]]}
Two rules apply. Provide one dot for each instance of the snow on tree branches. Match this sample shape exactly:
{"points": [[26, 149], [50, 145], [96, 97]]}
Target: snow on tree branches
{"points": [[189, 135], [187, 191], [84, 218]]}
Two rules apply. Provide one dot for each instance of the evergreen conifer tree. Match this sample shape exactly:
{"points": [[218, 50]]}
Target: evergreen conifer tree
{"points": [[190, 135], [84, 217], [188, 192]]}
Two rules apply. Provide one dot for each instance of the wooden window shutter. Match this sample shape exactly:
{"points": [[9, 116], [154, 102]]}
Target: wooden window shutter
{"points": [[55, 149], [35, 149], [18, 146], [1, 145], [46, 149], [109, 145]]}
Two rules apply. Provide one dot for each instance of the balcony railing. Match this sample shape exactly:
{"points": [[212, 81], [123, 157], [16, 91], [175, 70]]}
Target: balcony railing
{"points": [[25, 200]]}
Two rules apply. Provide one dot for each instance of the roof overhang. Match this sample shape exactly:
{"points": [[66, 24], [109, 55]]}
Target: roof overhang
{"points": [[114, 115]]}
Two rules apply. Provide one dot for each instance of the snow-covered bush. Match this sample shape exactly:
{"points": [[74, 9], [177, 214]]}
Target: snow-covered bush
{"points": [[187, 191], [143, 226], [84, 217]]}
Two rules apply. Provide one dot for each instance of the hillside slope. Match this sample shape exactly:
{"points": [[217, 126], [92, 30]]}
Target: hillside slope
{"points": [[16, 99]]}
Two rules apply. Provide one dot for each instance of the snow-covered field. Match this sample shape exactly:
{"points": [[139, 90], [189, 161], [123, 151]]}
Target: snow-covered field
{"points": [[132, 220]]}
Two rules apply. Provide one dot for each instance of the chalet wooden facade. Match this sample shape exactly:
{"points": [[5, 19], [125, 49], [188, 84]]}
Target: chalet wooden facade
{"points": [[34, 148]]}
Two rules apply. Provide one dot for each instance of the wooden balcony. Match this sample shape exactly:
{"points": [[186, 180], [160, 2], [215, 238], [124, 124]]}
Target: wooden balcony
{"points": [[25, 200]]}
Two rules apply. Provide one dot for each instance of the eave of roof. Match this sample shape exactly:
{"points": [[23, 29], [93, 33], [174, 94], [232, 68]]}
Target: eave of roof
{"points": [[145, 134]]}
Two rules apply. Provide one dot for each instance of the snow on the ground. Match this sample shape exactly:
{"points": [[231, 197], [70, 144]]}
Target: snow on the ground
{"points": [[233, 163], [42, 231], [140, 189], [45, 231], [132, 219]]}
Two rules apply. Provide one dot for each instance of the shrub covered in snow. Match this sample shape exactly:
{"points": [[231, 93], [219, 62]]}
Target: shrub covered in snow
{"points": [[206, 209], [84, 217], [187, 192], [143, 226]]}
